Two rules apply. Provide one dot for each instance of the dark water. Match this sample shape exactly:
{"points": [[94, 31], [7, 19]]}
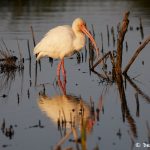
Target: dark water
{"points": [[92, 109]]}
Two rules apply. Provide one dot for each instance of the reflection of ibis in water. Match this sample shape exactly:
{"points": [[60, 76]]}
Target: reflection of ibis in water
{"points": [[71, 113], [66, 109]]}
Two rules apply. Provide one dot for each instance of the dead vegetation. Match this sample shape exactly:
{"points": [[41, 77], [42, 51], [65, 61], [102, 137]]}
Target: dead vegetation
{"points": [[119, 75], [9, 62], [9, 65], [116, 60]]}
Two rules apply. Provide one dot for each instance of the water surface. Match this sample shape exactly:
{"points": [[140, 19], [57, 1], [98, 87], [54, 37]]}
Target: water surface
{"points": [[115, 124]]}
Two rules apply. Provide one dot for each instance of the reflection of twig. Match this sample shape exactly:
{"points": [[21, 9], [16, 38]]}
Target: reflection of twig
{"points": [[125, 110], [5, 46], [20, 52], [148, 130], [131, 122], [8, 68], [6, 80], [146, 97], [132, 140], [29, 58], [137, 105], [141, 28]]}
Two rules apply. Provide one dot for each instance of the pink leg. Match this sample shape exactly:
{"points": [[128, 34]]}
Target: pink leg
{"points": [[58, 69], [63, 69]]}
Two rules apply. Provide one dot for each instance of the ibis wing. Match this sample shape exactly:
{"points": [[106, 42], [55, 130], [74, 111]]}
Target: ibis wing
{"points": [[57, 43]]}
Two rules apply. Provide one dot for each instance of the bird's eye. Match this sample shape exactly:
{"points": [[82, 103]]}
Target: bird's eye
{"points": [[82, 24]]}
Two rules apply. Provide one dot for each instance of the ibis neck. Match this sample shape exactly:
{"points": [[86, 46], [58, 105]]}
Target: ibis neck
{"points": [[79, 40]]}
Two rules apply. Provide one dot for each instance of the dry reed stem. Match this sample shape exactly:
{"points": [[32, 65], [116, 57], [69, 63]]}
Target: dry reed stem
{"points": [[139, 49], [20, 51], [108, 35], [34, 43], [75, 134], [29, 49], [33, 37], [63, 140]]}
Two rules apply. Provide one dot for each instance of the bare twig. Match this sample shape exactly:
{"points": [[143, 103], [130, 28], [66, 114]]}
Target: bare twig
{"points": [[101, 59], [120, 40], [139, 49]]}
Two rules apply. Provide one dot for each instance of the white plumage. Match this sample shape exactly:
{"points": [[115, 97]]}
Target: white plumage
{"points": [[54, 43], [62, 41]]}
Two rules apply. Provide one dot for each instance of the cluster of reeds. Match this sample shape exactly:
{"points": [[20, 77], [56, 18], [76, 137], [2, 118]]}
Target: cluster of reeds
{"points": [[7, 131], [9, 65], [9, 62]]}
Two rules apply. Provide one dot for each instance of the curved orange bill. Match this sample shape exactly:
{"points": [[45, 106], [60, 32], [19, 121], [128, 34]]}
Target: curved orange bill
{"points": [[84, 30]]}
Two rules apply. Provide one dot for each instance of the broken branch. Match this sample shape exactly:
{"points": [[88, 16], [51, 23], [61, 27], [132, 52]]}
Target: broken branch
{"points": [[139, 49]]}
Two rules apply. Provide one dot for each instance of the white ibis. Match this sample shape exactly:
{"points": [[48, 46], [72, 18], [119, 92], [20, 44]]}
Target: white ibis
{"points": [[62, 41]]}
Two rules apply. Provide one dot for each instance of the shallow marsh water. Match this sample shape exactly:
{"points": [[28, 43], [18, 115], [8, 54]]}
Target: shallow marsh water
{"points": [[21, 107]]}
